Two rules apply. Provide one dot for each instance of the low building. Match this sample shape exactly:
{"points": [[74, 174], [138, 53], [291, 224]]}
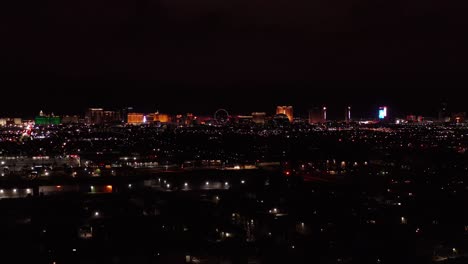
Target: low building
{"points": [[47, 120]]}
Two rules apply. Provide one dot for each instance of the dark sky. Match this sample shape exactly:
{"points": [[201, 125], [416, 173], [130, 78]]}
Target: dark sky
{"points": [[245, 55]]}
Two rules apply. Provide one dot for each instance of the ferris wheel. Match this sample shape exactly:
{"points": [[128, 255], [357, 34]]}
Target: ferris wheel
{"points": [[221, 116]]}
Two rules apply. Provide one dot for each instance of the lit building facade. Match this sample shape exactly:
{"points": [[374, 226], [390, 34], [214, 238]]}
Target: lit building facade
{"points": [[43, 119], [163, 118], [17, 121], [47, 120], [382, 112], [98, 116], [259, 117], [285, 110], [158, 117], [10, 121], [135, 118], [94, 116]]}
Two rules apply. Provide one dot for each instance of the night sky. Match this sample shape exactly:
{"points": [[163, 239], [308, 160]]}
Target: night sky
{"points": [[243, 55]]}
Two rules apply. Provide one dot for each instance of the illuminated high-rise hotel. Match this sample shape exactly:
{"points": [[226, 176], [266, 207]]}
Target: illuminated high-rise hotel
{"points": [[382, 112], [98, 116], [285, 110], [94, 116]]}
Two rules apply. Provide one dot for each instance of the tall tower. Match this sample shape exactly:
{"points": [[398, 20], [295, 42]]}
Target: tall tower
{"points": [[324, 113], [348, 114]]}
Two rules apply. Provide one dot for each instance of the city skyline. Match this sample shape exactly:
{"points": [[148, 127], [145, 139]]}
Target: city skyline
{"points": [[239, 100]]}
